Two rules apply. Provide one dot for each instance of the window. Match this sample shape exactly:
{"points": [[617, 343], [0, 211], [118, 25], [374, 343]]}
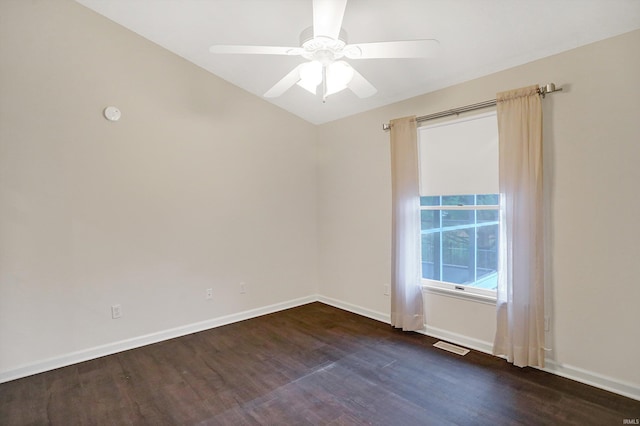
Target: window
{"points": [[459, 236], [459, 205]]}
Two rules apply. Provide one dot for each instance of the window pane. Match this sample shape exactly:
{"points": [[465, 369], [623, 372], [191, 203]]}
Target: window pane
{"points": [[487, 257], [460, 246], [430, 219], [431, 256], [487, 216], [457, 200], [457, 217], [430, 201], [458, 256], [487, 199]]}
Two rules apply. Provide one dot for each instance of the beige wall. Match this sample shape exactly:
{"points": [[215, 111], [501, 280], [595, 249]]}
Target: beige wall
{"points": [[199, 185], [592, 134]]}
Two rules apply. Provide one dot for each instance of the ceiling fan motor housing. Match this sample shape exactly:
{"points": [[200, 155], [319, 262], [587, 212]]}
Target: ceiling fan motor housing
{"points": [[322, 49]]}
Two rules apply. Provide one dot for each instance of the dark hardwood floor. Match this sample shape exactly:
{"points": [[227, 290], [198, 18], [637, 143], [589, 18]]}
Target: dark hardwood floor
{"points": [[313, 364]]}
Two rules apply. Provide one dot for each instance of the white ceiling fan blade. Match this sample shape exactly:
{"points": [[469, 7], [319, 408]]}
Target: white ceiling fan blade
{"points": [[393, 49], [255, 50], [327, 17], [285, 84], [361, 86]]}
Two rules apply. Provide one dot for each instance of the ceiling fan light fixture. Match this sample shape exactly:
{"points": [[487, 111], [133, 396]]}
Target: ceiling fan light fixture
{"points": [[339, 75], [310, 76]]}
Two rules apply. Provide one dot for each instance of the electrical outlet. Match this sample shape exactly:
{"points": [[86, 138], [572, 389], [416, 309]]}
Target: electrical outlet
{"points": [[387, 290], [243, 288], [116, 311], [209, 294]]}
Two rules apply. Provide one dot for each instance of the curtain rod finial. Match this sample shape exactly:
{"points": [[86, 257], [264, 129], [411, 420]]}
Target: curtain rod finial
{"points": [[548, 88]]}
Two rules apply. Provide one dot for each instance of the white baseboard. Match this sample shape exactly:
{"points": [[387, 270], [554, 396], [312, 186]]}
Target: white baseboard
{"points": [[459, 339], [379, 316], [136, 342], [610, 384]]}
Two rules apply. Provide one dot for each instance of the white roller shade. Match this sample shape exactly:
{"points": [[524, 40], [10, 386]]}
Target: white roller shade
{"points": [[459, 157]]}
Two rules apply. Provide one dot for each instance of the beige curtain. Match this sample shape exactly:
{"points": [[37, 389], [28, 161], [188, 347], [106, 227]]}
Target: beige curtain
{"points": [[406, 293], [520, 305]]}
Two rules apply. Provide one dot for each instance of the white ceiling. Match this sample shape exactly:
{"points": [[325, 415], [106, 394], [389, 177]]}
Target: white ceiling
{"points": [[477, 37]]}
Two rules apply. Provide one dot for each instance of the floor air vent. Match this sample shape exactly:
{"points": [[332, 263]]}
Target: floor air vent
{"points": [[451, 348]]}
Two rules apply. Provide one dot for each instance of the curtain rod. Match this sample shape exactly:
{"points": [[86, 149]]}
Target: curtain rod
{"points": [[542, 91]]}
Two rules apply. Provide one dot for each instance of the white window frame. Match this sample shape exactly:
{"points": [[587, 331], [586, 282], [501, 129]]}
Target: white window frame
{"points": [[452, 287]]}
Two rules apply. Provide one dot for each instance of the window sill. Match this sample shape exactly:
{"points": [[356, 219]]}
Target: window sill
{"points": [[460, 294]]}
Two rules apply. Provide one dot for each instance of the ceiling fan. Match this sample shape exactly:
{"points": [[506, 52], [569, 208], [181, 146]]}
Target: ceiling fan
{"points": [[324, 45]]}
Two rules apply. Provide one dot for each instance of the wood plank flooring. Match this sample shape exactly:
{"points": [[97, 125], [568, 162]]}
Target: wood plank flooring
{"points": [[309, 365]]}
